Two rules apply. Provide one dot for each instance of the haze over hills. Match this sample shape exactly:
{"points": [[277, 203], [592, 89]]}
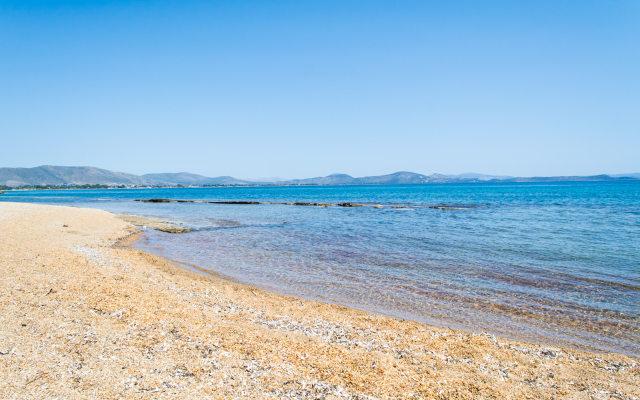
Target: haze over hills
{"points": [[186, 178], [482, 177], [636, 176], [569, 178], [266, 180], [399, 178], [69, 176]]}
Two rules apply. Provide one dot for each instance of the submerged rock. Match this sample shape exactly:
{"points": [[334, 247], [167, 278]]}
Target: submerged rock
{"points": [[234, 202], [155, 223], [350, 205], [156, 200], [253, 202]]}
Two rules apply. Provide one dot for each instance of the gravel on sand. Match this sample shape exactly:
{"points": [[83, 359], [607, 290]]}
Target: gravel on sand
{"points": [[82, 316]]}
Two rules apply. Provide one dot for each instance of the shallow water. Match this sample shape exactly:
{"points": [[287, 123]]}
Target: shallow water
{"points": [[554, 262]]}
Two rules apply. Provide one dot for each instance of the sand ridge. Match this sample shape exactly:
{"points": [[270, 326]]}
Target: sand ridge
{"points": [[84, 317]]}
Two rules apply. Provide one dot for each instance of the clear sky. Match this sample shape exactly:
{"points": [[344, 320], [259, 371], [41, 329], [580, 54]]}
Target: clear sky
{"points": [[299, 89]]}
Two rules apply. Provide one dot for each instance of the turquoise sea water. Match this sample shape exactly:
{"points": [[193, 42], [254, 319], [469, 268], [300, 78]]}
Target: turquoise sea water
{"points": [[551, 262]]}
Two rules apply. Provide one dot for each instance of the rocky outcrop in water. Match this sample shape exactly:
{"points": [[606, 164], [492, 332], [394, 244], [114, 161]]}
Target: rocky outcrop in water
{"points": [[234, 202], [250, 202], [155, 223]]}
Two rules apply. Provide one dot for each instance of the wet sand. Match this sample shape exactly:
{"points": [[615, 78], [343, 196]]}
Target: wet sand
{"points": [[84, 317]]}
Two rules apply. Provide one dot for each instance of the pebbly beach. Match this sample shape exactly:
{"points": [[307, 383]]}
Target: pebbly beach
{"points": [[86, 316]]}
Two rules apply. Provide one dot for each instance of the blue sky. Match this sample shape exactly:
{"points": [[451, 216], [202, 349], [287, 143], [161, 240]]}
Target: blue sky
{"points": [[300, 89]]}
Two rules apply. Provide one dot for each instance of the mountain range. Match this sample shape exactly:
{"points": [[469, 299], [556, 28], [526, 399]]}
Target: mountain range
{"points": [[53, 175], [399, 178], [69, 176]]}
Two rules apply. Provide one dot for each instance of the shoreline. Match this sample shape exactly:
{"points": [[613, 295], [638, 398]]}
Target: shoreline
{"points": [[526, 336], [84, 316], [442, 324]]}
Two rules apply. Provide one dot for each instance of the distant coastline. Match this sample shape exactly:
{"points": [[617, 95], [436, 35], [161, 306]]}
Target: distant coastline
{"points": [[102, 187], [58, 178]]}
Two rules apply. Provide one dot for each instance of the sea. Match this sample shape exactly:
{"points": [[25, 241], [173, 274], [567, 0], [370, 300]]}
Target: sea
{"points": [[555, 263]]}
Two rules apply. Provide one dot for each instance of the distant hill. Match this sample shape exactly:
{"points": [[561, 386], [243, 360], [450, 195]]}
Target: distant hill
{"points": [[188, 179], [266, 180], [635, 176], [399, 178], [403, 178], [52, 175], [334, 179], [566, 178], [60, 176], [481, 177], [411, 178]]}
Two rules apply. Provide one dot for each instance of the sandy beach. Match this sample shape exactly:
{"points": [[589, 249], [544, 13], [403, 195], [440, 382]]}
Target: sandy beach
{"points": [[84, 316]]}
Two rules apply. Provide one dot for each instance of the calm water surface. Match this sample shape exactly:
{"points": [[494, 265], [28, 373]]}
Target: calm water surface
{"points": [[556, 262]]}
